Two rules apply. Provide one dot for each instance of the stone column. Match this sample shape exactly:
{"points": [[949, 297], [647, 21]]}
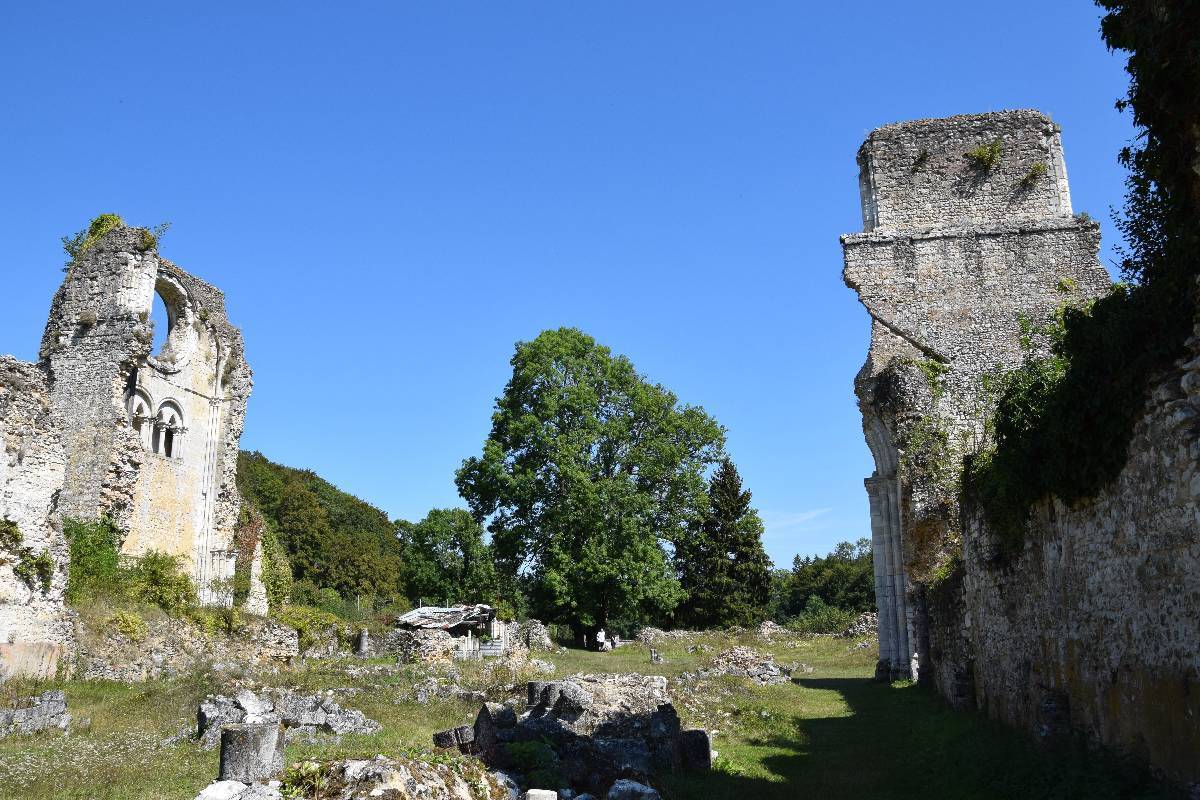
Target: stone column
{"points": [[251, 751]]}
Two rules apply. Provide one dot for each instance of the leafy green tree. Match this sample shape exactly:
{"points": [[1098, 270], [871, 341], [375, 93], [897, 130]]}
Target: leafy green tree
{"points": [[588, 472], [446, 559], [722, 565], [843, 579], [332, 539]]}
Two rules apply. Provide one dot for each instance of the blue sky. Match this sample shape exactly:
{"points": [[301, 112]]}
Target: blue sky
{"points": [[392, 194]]}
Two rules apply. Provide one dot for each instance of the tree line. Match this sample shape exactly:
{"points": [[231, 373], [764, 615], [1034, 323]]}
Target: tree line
{"points": [[598, 500]]}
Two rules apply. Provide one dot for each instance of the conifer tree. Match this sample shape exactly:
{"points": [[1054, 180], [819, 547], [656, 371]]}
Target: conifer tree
{"points": [[722, 565]]}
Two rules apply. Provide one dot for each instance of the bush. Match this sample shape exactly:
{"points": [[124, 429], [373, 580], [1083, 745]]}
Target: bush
{"points": [[818, 617], [129, 624], [157, 579], [538, 762], [309, 622], [95, 558], [77, 244]]}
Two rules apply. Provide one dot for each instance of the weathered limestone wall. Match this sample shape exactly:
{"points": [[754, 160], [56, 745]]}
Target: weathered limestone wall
{"points": [[954, 257], [1094, 628], [34, 629], [151, 438], [103, 427]]}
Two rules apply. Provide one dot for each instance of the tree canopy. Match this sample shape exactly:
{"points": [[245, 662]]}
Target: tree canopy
{"points": [[588, 472], [446, 559]]}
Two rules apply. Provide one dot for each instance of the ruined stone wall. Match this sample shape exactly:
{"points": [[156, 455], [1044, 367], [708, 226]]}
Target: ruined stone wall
{"points": [[34, 629], [103, 427], [151, 438], [955, 256], [1094, 628]]}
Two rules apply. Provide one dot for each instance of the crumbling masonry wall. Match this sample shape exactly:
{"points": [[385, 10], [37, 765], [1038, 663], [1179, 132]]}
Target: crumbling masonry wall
{"points": [[955, 254], [1094, 628], [149, 440]]}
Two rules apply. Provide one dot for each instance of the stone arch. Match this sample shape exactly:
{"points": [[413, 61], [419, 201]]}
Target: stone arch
{"points": [[181, 338], [141, 415], [168, 430]]}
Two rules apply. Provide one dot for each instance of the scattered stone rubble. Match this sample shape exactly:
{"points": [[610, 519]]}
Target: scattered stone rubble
{"points": [[174, 647], [601, 728], [867, 624], [300, 714], [772, 630], [745, 662], [393, 778], [42, 712], [652, 635]]}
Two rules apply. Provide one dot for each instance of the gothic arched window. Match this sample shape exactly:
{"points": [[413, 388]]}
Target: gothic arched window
{"points": [[168, 430]]}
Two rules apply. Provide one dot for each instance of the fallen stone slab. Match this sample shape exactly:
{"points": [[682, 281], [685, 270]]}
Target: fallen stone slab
{"points": [[625, 789], [236, 790]]}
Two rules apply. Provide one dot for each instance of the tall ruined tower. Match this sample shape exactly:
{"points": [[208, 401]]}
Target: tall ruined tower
{"points": [[150, 439], [968, 237]]}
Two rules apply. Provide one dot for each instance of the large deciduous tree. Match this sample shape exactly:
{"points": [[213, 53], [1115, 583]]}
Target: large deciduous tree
{"points": [[446, 559], [589, 471], [722, 565]]}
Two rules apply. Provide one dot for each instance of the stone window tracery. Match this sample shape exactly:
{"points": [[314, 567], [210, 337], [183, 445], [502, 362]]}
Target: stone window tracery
{"points": [[167, 440]]}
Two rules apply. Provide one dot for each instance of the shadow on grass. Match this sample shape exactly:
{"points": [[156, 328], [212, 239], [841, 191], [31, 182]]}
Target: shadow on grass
{"points": [[901, 741]]}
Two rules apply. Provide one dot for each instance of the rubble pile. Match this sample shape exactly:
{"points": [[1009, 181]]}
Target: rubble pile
{"points": [[771, 630], [39, 713], [397, 778], [421, 645], [867, 624], [531, 633], [599, 729], [299, 713], [651, 635], [745, 662]]}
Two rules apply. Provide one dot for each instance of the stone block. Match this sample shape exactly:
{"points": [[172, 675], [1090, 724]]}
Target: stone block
{"points": [[251, 752]]}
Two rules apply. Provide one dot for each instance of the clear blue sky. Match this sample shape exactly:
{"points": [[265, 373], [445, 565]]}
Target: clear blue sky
{"points": [[392, 194]]}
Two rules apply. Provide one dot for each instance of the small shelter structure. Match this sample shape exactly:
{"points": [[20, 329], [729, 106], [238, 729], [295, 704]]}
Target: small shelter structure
{"points": [[476, 630]]}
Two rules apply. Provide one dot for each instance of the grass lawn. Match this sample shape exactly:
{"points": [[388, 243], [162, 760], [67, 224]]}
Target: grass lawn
{"points": [[833, 733]]}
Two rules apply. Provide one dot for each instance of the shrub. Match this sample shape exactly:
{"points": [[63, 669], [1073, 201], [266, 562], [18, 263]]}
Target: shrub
{"points": [[156, 578], [10, 536], [817, 617], [129, 624], [308, 622], [33, 569], [95, 559], [986, 156], [538, 762], [276, 571], [77, 244], [1034, 175]]}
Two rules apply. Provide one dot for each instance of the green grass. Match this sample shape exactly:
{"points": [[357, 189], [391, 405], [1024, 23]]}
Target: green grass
{"points": [[834, 733]]}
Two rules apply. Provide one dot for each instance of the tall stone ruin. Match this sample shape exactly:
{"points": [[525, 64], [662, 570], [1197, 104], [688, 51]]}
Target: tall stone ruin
{"points": [[103, 427], [968, 240], [1089, 628]]}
